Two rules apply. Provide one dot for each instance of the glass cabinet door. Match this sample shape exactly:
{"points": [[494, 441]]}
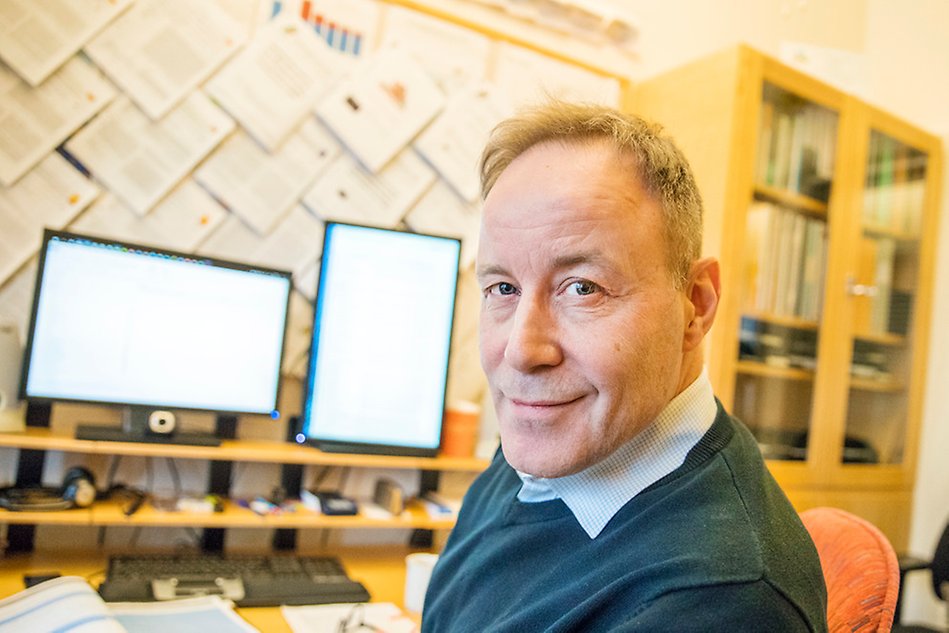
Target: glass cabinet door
{"points": [[887, 271], [783, 271]]}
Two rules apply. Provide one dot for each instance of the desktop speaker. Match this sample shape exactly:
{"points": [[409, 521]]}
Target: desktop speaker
{"points": [[77, 491]]}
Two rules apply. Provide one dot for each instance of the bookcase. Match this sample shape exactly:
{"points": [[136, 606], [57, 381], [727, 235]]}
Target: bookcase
{"points": [[822, 210]]}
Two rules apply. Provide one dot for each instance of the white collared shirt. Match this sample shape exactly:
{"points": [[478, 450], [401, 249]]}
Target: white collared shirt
{"points": [[596, 494]]}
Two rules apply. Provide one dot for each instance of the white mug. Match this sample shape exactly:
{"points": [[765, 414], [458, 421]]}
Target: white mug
{"points": [[418, 571], [11, 356]]}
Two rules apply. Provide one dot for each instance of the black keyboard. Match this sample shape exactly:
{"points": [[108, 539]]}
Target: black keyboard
{"points": [[248, 580]]}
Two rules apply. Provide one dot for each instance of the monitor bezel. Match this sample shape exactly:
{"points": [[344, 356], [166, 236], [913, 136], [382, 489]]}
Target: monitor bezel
{"points": [[49, 234], [331, 445]]}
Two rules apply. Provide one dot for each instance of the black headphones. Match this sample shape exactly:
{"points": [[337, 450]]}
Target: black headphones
{"points": [[78, 491]]}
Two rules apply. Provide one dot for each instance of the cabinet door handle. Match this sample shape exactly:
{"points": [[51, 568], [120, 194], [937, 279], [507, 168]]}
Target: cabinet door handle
{"points": [[860, 290]]}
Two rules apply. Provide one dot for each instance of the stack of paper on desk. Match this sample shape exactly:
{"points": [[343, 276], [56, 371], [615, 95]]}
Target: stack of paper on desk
{"points": [[384, 617], [70, 603]]}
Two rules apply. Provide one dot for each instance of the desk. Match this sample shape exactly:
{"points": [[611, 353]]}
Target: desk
{"points": [[381, 570]]}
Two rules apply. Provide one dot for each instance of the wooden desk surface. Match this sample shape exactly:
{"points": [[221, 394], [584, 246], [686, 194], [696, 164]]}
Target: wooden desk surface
{"points": [[381, 570]]}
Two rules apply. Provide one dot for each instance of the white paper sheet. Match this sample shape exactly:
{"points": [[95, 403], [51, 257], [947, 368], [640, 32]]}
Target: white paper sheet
{"points": [[49, 195], [16, 297], [261, 186], [160, 50], [181, 221], [36, 37], [526, 77], [271, 86], [384, 617], [442, 212], [140, 160], [33, 121], [463, 54], [61, 604], [231, 240], [379, 109], [350, 27], [293, 245], [349, 193], [454, 141], [190, 615]]}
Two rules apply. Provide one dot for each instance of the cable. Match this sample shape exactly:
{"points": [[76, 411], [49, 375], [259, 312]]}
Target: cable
{"points": [[113, 468], [175, 478]]}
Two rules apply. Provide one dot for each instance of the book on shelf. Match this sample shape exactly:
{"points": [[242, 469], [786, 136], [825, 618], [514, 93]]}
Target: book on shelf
{"points": [[901, 312], [796, 145], [883, 280], [795, 265], [894, 192], [884, 196], [783, 271], [784, 132], [757, 238], [765, 156], [875, 267], [812, 277]]}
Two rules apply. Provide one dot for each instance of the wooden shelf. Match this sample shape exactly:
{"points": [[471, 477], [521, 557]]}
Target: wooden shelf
{"points": [[791, 199], [108, 513], [236, 451], [783, 320], [753, 368], [885, 231], [879, 386], [883, 338]]}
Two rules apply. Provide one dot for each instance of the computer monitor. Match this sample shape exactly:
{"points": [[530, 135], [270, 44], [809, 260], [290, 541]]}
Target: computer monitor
{"points": [[155, 331], [382, 329]]}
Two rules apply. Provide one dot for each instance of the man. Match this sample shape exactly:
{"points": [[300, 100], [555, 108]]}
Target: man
{"points": [[624, 498]]}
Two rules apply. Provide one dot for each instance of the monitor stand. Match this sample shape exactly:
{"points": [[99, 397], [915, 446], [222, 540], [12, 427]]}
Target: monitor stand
{"points": [[136, 428]]}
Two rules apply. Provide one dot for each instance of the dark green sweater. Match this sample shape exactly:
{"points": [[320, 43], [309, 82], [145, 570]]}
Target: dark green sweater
{"points": [[713, 546]]}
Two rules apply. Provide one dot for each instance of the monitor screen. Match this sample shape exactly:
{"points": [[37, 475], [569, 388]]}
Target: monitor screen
{"points": [[381, 339], [133, 325]]}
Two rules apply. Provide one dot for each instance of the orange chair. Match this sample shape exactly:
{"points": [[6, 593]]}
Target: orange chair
{"points": [[860, 569]]}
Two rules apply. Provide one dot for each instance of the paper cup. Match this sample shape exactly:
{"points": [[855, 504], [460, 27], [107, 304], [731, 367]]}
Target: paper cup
{"points": [[460, 431], [418, 571]]}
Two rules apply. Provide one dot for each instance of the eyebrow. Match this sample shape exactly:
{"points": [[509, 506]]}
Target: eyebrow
{"points": [[561, 262]]}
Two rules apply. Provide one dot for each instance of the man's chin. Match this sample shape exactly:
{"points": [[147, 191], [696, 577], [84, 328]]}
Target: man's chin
{"points": [[539, 466]]}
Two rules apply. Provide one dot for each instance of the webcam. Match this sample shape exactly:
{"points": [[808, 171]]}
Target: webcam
{"points": [[161, 422]]}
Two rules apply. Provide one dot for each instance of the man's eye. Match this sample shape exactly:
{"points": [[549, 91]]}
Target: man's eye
{"points": [[503, 288], [584, 287]]}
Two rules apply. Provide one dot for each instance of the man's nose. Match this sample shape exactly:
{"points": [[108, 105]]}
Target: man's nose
{"points": [[533, 341]]}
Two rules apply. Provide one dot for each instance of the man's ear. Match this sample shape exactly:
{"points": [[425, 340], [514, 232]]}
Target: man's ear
{"points": [[702, 292]]}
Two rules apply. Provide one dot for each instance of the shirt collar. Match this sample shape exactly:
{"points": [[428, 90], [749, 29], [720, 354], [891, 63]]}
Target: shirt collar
{"points": [[596, 494]]}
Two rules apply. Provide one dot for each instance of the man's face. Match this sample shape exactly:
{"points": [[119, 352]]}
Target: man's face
{"points": [[581, 326]]}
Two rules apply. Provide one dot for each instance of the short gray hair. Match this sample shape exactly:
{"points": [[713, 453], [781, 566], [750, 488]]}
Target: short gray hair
{"points": [[661, 166]]}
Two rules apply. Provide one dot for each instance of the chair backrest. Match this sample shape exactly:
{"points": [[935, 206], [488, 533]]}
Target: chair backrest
{"points": [[940, 566], [860, 570]]}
